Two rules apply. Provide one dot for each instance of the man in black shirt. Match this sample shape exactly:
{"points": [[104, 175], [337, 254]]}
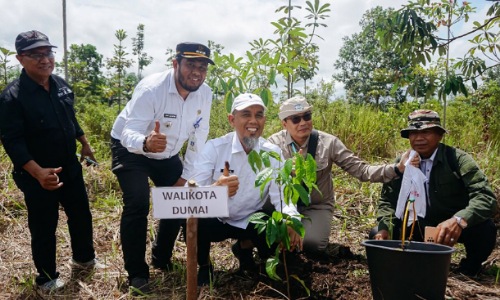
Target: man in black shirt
{"points": [[38, 129]]}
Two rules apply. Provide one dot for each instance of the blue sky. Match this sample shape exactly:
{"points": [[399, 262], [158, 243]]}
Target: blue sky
{"points": [[232, 23]]}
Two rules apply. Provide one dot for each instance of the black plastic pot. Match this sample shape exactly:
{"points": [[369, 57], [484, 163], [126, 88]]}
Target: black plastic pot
{"points": [[420, 271]]}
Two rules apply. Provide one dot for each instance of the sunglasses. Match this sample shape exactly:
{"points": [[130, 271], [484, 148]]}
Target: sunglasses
{"points": [[296, 119], [39, 56]]}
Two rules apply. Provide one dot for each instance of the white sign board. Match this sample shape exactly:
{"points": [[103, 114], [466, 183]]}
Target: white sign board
{"points": [[186, 202]]}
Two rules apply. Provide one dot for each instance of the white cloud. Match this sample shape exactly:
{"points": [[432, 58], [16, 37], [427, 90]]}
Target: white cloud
{"points": [[232, 23]]}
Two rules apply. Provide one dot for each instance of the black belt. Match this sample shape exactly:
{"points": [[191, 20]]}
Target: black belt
{"points": [[117, 142]]}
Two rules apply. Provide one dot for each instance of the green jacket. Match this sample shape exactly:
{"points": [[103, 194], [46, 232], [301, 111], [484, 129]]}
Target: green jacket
{"points": [[467, 195]]}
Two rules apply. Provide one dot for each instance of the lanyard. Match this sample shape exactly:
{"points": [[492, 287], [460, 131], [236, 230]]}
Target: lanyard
{"points": [[294, 148], [197, 123]]}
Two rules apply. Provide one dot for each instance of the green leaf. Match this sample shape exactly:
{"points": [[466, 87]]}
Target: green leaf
{"points": [[287, 194], [263, 187], [288, 167], [474, 83], [272, 232], [303, 194], [231, 83], [447, 87], [241, 85], [463, 89], [297, 225], [311, 168], [266, 96], [299, 167], [228, 100], [428, 56], [265, 158], [302, 283], [275, 155], [454, 85], [284, 177], [258, 215], [255, 161], [284, 238], [277, 215], [263, 177], [271, 265], [224, 85]]}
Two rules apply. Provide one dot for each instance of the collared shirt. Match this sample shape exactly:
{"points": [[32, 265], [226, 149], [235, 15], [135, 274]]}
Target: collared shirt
{"points": [[210, 164], [156, 98], [39, 125], [331, 150], [426, 167], [426, 164]]}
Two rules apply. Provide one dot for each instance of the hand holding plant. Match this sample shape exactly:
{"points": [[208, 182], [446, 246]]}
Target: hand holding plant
{"points": [[296, 178]]}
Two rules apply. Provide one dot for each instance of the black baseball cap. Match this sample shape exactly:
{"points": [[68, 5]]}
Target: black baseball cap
{"points": [[30, 40], [193, 50]]}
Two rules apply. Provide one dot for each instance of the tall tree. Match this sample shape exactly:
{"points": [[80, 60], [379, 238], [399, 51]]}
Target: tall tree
{"points": [[216, 71], [310, 55], [323, 92], [4, 67], [367, 71], [143, 60], [84, 69], [284, 55], [170, 53], [295, 45], [413, 32], [119, 62]]}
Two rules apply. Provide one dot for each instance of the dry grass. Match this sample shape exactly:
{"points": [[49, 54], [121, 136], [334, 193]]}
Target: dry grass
{"points": [[343, 276]]}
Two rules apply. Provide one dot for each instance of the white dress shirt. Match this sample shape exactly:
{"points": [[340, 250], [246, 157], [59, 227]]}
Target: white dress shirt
{"points": [[210, 164], [426, 167], [156, 98]]}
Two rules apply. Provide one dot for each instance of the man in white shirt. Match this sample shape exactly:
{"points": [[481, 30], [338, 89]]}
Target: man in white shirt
{"points": [[247, 118], [166, 110]]}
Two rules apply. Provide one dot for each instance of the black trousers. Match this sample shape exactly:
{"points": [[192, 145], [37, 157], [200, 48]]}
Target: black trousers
{"points": [[213, 230], [133, 172], [43, 215], [479, 240]]}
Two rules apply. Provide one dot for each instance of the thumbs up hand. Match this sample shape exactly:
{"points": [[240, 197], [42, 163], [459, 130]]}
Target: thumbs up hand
{"points": [[156, 141], [225, 172], [231, 181], [157, 126]]}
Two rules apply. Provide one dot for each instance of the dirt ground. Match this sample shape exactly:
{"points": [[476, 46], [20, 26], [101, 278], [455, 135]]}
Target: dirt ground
{"points": [[341, 274]]}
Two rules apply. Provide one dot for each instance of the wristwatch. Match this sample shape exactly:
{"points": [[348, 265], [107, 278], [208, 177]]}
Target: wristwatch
{"points": [[144, 148], [463, 224], [396, 169]]}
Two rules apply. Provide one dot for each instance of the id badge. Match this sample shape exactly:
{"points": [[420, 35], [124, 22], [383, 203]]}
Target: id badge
{"points": [[192, 142]]}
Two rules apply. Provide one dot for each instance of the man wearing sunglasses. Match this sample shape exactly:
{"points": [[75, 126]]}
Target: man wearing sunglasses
{"points": [[39, 132], [299, 136]]}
